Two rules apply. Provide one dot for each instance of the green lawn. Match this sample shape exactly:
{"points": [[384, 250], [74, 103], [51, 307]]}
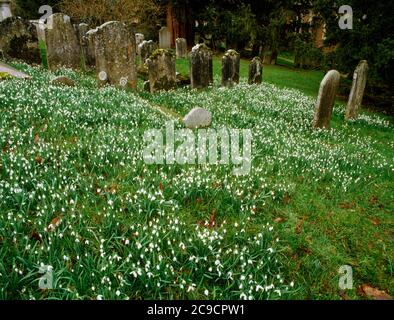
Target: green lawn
{"points": [[308, 81], [312, 202]]}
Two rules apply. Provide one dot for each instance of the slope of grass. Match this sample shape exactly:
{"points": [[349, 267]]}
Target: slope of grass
{"points": [[312, 202]]}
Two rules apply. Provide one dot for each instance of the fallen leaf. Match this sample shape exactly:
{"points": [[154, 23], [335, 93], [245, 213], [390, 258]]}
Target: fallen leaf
{"points": [[298, 227], [286, 198], [54, 223], [345, 205], [35, 235], [375, 293], [375, 221], [39, 160], [279, 220], [36, 138]]}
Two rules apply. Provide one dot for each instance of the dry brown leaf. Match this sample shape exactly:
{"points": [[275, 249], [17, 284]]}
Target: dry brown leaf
{"points": [[286, 198], [375, 293], [375, 221], [279, 220], [54, 223], [39, 160], [36, 138]]}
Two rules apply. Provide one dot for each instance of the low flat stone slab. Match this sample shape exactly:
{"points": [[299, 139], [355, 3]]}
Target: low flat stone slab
{"points": [[5, 68]]}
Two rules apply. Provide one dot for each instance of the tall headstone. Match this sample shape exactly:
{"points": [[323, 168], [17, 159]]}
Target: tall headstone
{"points": [[139, 38], [255, 71], [90, 58], [165, 38], [201, 66], [161, 68], [115, 55], [230, 68], [357, 91], [326, 99], [19, 40], [147, 48], [82, 30], [63, 49], [181, 48], [5, 9]]}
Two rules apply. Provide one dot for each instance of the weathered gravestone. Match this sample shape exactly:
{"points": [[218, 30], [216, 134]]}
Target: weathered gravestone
{"points": [[115, 55], [357, 92], [19, 40], [6, 69], [165, 38], [82, 30], [90, 58], [5, 9], [198, 118], [326, 99], [62, 81], [139, 38], [255, 71], [161, 68], [201, 66], [181, 48], [230, 68], [63, 49], [146, 49]]}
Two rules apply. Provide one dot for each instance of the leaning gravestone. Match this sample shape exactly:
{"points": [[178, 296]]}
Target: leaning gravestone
{"points": [[147, 48], [165, 38], [181, 48], [326, 99], [255, 71], [19, 40], [115, 55], [357, 92], [201, 66], [230, 68], [139, 38], [62, 43], [161, 68], [5, 68]]}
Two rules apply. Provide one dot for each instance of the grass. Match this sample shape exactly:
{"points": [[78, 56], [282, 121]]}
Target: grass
{"points": [[313, 201], [307, 81]]}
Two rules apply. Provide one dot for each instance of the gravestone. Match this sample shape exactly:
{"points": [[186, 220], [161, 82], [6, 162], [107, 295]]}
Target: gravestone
{"points": [[62, 81], [115, 53], [255, 71], [146, 49], [82, 30], [19, 40], [161, 68], [201, 66], [90, 60], [139, 38], [198, 118], [63, 49], [5, 9], [5, 68], [181, 48], [165, 38], [357, 91], [230, 68], [326, 99]]}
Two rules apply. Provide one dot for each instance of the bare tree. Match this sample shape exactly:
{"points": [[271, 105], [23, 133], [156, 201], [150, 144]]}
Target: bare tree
{"points": [[96, 12]]}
